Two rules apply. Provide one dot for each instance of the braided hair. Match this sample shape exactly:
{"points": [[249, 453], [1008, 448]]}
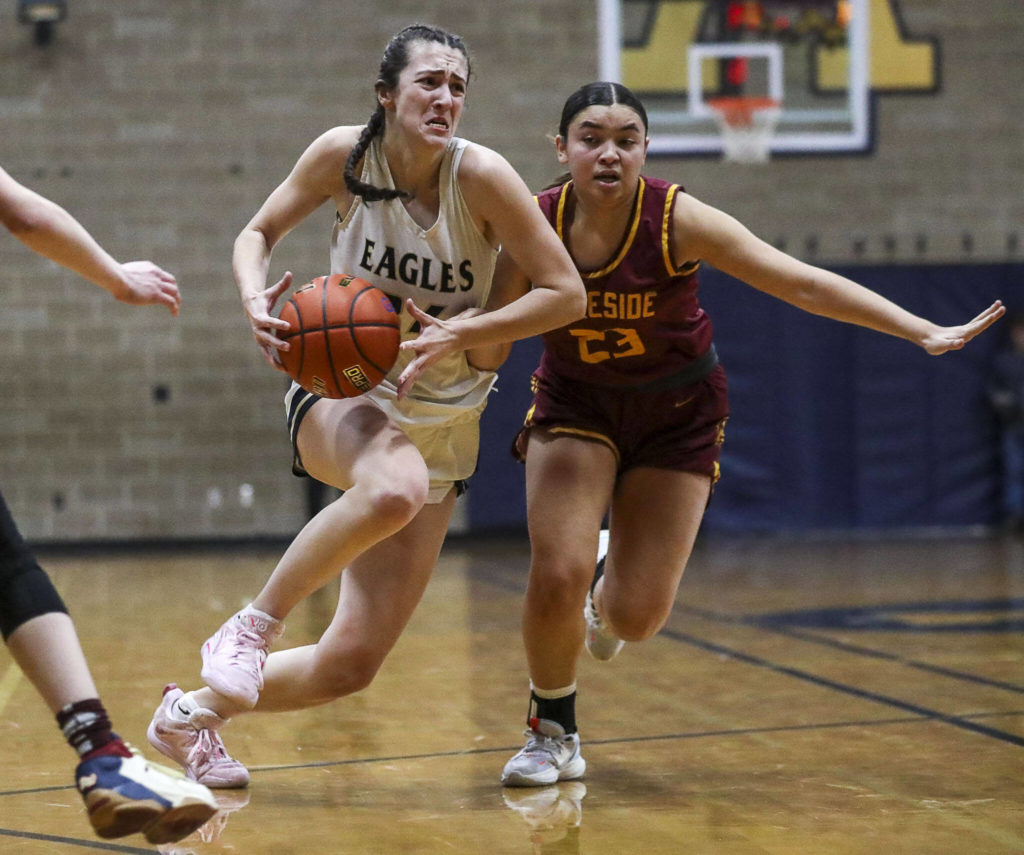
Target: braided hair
{"points": [[395, 59]]}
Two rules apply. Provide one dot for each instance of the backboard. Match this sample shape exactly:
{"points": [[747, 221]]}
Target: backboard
{"points": [[812, 57]]}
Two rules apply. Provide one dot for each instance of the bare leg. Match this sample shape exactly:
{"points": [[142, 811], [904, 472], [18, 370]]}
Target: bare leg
{"points": [[379, 592], [120, 791], [569, 483], [48, 650], [352, 445], [655, 516], [382, 539]]}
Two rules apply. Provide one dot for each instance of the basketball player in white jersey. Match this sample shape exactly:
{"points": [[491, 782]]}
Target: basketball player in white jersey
{"points": [[420, 214]]}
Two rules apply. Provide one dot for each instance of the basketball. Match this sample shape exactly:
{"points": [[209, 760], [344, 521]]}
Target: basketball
{"points": [[344, 336]]}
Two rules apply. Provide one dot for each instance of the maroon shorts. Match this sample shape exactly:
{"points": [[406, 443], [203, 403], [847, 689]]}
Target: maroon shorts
{"points": [[679, 428]]}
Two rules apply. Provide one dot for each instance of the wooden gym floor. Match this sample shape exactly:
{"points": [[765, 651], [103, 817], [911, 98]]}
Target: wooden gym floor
{"points": [[806, 697]]}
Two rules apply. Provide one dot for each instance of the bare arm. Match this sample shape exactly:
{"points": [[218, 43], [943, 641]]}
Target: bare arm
{"points": [[497, 196], [703, 232], [315, 178], [46, 228], [509, 285]]}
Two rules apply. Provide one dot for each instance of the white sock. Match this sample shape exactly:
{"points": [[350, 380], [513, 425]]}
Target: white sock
{"points": [[553, 694], [252, 610], [182, 708]]}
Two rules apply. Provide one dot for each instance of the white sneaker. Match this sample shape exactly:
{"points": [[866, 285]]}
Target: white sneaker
{"points": [[550, 755], [234, 656], [601, 642]]}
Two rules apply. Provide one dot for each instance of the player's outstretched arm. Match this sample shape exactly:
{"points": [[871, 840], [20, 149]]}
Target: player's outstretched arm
{"points": [[46, 228], [715, 237]]}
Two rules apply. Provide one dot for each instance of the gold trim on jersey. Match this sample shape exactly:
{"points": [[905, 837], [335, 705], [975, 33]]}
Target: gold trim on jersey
{"points": [[560, 212], [666, 224], [626, 244], [586, 434], [666, 247]]}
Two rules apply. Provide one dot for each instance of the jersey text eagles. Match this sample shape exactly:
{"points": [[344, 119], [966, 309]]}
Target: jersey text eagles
{"points": [[415, 270]]}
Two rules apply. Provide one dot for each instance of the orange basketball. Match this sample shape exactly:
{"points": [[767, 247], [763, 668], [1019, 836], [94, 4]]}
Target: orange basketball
{"points": [[344, 336]]}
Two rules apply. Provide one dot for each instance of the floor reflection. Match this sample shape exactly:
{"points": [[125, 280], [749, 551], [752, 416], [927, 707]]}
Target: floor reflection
{"points": [[553, 815], [208, 840]]}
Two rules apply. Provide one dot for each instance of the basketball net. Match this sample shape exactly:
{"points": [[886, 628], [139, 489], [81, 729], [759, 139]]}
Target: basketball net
{"points": [[746, 125]]}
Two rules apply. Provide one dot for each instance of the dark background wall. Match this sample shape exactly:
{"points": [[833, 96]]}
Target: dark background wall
{"points": [[162, 126], [833, 427]]}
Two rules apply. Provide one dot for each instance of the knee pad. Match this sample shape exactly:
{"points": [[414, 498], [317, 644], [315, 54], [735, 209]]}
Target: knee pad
{"points": [[26, 592], [25, 589]]}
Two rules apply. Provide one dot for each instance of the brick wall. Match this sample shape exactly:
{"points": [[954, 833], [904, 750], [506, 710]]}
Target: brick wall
{"points": [[162, 126]]}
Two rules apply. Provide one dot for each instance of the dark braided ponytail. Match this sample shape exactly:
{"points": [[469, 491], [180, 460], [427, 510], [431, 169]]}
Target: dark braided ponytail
{"points": [[395, 59], [368, 192]]}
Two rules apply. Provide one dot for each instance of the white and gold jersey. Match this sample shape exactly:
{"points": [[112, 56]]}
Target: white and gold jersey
{"points": [[444, 269]]}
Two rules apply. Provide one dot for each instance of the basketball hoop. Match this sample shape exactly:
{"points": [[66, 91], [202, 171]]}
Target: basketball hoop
{"points": [[746, 125]]}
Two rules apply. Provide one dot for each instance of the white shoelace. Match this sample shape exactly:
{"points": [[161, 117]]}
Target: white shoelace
{"points": [[207, 749], [540, 743]]}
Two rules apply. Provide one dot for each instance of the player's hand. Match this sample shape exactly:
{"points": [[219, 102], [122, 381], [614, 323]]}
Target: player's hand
{"points": [[437, 339], [145, 284], [264, 325], [943, 339]]}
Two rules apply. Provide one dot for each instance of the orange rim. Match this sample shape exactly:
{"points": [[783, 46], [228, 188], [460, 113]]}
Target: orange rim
{"points": [[738, 110]]}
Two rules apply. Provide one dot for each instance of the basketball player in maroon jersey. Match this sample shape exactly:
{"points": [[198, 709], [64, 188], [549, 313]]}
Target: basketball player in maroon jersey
{"points": [[630, 403]]}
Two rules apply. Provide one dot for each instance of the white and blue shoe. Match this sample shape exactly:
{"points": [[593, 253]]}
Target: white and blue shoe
{"points": [[129, 795]]}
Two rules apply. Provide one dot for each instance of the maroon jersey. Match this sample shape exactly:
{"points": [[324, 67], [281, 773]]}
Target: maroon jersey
{"points": [[643, 321]]}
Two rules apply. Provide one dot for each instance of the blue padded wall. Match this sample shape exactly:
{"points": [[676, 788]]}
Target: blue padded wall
{"points": [[833, 426]]}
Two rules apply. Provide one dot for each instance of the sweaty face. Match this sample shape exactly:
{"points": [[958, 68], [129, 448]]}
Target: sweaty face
{"points": [[431, 92], [604, 150]]}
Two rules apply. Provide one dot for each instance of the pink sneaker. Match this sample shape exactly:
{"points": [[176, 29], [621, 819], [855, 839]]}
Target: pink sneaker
{"points": [[234, 656], [194, 743]]}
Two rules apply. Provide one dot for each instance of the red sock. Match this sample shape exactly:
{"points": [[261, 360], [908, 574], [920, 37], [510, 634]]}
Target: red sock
{"points": [[116, 747]]}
